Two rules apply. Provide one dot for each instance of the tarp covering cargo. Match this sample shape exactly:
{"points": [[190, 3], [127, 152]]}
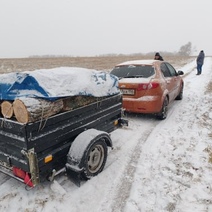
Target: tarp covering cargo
{"points": [[56, 83]]}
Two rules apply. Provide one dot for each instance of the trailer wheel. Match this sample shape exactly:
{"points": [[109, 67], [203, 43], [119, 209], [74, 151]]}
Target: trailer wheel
{"points": [[94, 158], [87, 155]]}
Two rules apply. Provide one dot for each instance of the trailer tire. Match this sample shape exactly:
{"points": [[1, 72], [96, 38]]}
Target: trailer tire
{"points": [[87, 155], [94, 158]]}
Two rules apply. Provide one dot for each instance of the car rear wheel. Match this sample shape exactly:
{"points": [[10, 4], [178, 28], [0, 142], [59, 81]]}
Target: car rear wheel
{"points": [[164, 110], [180, 95]]}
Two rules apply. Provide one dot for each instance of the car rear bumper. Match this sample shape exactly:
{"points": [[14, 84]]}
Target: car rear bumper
{"points": [[147, 104]]}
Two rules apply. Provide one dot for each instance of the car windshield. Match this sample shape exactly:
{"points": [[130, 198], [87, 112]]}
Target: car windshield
{"points": [[133, 71]]}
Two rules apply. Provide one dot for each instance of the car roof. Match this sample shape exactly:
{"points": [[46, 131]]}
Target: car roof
{"points": [[139, 62]]}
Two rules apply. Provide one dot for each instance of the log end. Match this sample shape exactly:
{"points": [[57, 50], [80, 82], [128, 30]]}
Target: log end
{"points": [[20, 111], [7, 109]]}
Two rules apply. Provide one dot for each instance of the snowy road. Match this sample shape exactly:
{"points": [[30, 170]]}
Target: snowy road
{"points": [[154, 166]]}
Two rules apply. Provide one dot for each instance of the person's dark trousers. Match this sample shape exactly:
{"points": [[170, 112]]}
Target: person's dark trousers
{"points": [[199, 69]]}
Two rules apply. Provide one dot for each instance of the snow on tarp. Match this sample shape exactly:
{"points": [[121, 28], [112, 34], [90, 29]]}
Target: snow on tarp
{"points": [[57, 82]]}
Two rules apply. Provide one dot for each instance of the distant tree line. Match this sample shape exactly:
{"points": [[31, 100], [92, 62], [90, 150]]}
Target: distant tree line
{"points": [[185, 50]]}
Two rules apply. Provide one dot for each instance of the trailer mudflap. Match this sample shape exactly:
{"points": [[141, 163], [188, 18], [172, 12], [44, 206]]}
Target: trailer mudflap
{"points": [[74, 175]]}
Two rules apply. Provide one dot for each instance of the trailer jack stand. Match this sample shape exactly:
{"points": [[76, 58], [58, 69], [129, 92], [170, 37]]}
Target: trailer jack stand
{"points": [[51, 177]]}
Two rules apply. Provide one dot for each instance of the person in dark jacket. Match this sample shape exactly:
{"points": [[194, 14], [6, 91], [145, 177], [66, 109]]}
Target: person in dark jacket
{"points": [[200, 61], [158, 56]]}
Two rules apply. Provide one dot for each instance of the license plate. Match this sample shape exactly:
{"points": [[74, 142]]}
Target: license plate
{"points": [[127, 91]]}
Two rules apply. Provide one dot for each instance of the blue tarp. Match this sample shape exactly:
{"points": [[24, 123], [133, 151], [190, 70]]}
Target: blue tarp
{"points": [[24, 85], [55, 83]]}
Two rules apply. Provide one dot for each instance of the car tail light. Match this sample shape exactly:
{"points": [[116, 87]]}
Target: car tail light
{"points": [[147, 86], [23, 175]]}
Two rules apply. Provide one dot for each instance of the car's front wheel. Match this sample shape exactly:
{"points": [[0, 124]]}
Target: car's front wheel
{"points": [[164, 110]]}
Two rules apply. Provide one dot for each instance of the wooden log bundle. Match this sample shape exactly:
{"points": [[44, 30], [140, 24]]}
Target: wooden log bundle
{"points": [[31, 109], [73, 102], [26, 110]]}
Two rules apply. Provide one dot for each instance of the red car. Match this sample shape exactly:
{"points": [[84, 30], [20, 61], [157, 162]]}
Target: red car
{"points": [[148, 86]]}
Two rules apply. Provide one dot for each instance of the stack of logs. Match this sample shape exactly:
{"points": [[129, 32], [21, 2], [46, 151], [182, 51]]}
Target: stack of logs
{"points": [[26, 110]]}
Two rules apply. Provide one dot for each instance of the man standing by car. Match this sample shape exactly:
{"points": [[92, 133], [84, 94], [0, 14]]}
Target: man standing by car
{"points": [[200, 61], [158, 56]]}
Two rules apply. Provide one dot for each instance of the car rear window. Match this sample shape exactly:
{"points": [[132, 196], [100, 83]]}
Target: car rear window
{"points": [[133, 71]]}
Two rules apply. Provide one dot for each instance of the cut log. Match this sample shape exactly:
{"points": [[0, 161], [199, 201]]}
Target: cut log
{"points": [[7, 109], [31, 109], [73, 102]]}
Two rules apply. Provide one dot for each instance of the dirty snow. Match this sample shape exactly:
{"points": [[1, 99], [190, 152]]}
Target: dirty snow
{"points": [[155, 166]]}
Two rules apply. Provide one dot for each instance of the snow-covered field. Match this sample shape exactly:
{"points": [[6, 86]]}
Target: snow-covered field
{"points": [[155, 166]]}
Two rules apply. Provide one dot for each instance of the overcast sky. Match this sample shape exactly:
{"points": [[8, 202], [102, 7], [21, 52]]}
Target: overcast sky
{"points": [[96, 27]]}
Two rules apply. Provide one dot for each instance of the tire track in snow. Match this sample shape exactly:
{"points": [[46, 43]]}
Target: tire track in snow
{"points": [[120, 191], [128, 176]]}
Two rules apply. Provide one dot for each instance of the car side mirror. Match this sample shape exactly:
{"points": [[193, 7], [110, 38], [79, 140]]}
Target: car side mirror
{"points": [[180, 72]]}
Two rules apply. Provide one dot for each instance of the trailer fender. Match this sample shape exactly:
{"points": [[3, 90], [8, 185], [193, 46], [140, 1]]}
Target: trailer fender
{"points": [[87, 155]]}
